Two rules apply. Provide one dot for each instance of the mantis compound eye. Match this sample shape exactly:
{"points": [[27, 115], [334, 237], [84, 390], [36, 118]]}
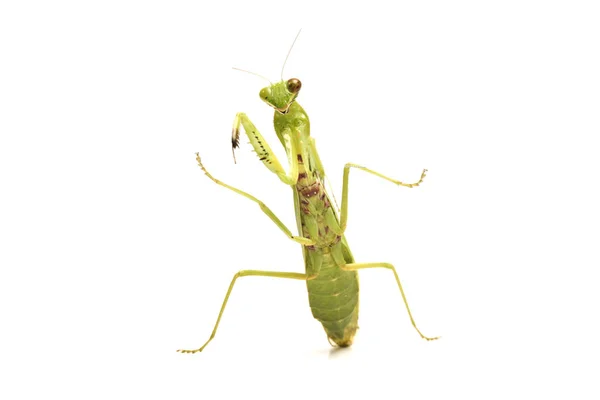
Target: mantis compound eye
{"points": [[294, 85]]}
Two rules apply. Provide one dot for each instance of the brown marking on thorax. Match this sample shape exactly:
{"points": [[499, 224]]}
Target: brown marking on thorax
{"points": [[310, 190], [313, 201]]}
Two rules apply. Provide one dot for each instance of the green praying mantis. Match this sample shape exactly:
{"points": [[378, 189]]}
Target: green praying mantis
{"points": [[331, 273]]}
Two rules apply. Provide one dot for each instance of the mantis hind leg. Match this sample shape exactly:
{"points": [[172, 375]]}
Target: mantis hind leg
{"points": [[358, 266], [272, 274]]}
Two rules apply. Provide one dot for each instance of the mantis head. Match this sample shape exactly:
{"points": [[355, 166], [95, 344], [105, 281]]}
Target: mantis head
{"points": [[281, 95]]}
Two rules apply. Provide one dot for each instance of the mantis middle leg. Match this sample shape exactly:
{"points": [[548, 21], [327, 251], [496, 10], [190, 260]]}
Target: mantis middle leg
{"points": [[344, 212], [263, 207]]}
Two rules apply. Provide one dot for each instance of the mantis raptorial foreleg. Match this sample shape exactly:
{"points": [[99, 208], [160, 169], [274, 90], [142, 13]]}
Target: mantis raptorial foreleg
{"points": [[272, 274], [358, 266], [263, 207], [263, 150], [344, 212]]}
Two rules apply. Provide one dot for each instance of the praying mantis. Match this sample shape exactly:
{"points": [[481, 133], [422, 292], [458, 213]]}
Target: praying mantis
{"points": [[331, 273]]}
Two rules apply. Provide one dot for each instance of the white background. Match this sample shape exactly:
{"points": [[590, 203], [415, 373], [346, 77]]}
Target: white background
{"points": [[115, 250]]}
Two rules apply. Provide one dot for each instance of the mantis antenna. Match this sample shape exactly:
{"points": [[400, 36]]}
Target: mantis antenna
{"points": [[252, 73], [288, 54]]}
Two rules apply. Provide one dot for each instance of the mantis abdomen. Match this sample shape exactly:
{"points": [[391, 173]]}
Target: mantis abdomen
{"points": [[333, 298]]}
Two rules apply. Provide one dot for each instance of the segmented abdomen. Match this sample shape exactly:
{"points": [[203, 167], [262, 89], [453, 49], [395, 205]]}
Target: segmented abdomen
{"points": [[333, 298]]}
